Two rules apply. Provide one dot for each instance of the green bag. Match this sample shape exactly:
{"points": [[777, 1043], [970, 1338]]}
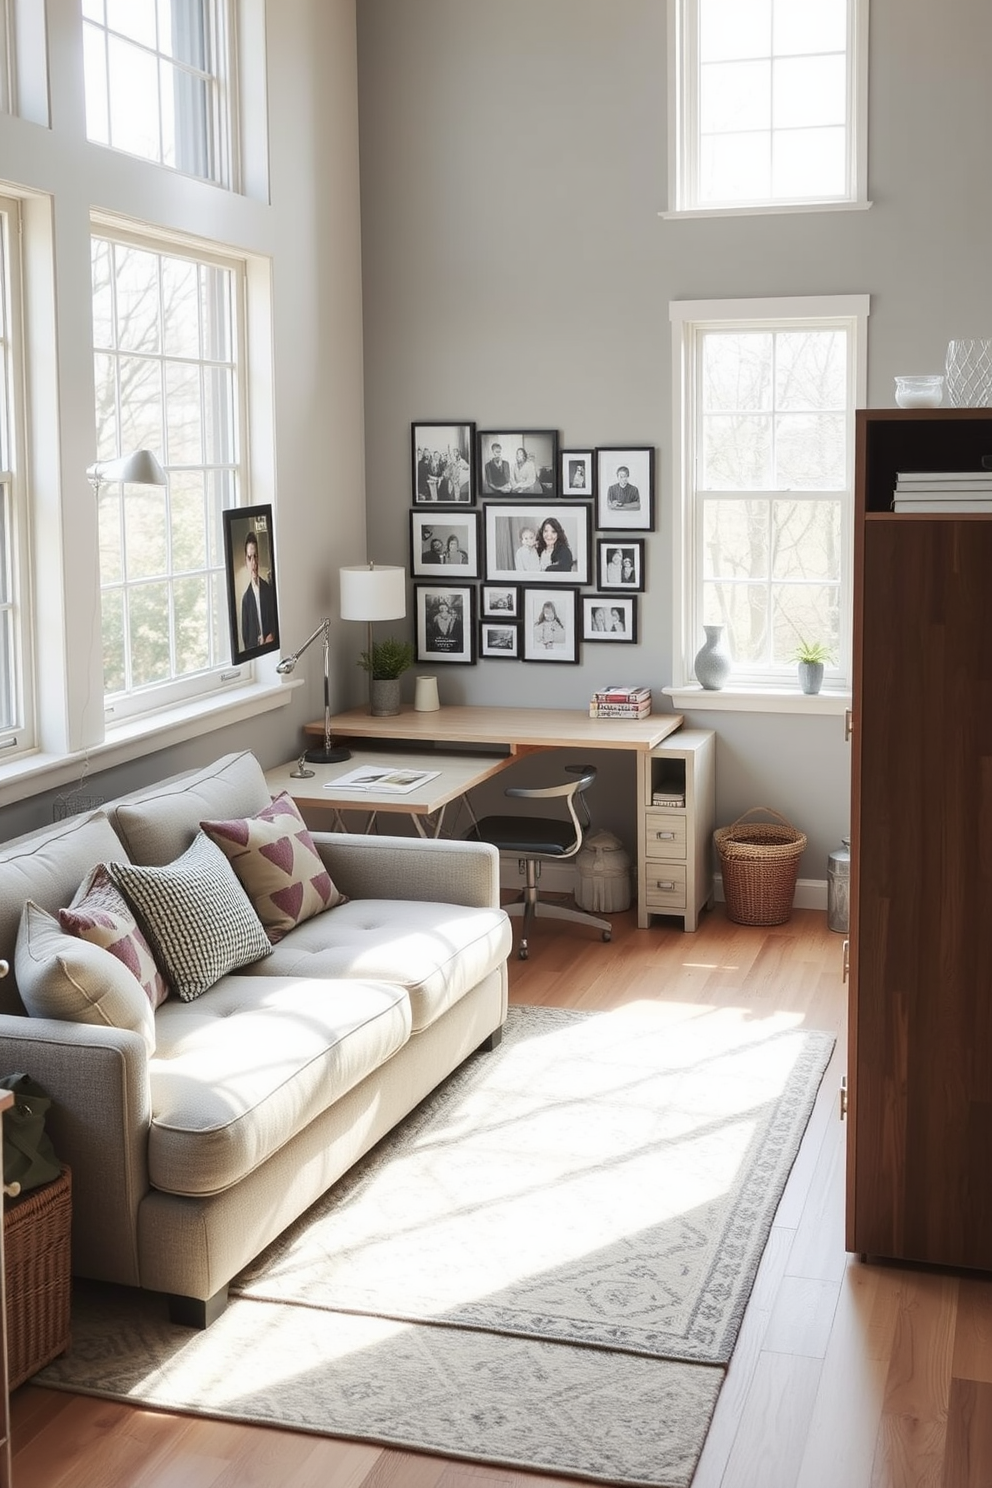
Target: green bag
{"points": [[28, 1155]]}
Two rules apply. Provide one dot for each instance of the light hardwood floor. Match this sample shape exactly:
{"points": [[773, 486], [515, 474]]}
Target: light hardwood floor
{"points": [[845, 1375]]}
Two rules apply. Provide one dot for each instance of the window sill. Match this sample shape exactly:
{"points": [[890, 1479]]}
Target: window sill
{"points": [[41, 772], [765, 209], [693, 698]]}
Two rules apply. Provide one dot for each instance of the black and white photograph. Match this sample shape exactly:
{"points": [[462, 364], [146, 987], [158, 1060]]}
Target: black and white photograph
{"points": [[443, 468], [521, 462], [625, 489], [620, 563], [499, 640], [445, 622], [444, 540], [606, 617], [550, 625], [532, 544], [500, 602], [252, 608], [577, 472]]}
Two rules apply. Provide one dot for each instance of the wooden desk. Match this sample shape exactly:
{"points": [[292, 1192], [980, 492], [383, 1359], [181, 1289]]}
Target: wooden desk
{"points": [[458, 774], [516, 729]]}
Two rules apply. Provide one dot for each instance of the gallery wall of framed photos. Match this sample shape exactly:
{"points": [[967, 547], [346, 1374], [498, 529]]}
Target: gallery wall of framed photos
{"points": [[548, 533]]}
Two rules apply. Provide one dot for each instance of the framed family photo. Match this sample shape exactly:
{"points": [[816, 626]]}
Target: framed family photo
{"points": [[500, 602], [445, 617], [443, 469], [609, 617], [444, 539], [550, 625], [499, 640], [625, 488], [620, 563], [252, 607], [530, 544], [577, 472], [518, 462]]}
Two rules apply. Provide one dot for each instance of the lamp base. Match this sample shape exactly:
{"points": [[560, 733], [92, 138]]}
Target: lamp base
{"points": [[333, 756]]}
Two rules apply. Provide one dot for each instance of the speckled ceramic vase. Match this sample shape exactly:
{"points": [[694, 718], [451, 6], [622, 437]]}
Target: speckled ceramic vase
{"points": [[712, 663]]}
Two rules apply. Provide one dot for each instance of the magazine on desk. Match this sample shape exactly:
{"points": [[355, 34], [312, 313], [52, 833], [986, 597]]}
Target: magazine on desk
{"points": [[382, 779]]}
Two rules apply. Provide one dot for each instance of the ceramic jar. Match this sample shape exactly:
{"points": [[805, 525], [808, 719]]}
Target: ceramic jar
{"points": [[712, 663]]}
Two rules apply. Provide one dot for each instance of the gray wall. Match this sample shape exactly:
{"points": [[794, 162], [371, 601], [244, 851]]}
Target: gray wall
{"points": [[516, 272]]}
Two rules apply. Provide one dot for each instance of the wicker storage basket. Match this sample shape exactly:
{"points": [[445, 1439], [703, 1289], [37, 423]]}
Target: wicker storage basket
{"points": [[36, 1254], [760, 865]]}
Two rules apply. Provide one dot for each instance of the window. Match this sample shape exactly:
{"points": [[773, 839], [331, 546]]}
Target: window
{"points": [[766, 424], [15, 700], [158, 78], [768, 103], [167, 338]]}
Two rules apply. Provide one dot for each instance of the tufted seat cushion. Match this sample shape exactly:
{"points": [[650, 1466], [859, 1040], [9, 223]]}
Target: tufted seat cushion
{"points": [[436, 952], [253, 1061]]}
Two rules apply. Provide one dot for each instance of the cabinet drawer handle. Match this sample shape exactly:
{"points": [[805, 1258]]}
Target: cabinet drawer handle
{"points": [[667, 884], [665, 836]]}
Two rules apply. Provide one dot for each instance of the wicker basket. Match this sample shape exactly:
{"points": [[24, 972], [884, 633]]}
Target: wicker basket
{"points": [[36, 1254], [760, 865]]}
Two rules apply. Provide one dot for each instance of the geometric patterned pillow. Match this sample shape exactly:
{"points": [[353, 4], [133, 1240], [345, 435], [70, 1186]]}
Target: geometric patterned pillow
{"points": [[99, 913], [278, 865], [196, 916]]}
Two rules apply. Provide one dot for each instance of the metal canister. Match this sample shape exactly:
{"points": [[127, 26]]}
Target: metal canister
{"points": [[839, 887]]}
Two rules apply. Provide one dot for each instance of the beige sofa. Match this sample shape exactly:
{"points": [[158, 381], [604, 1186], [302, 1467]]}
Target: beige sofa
{"points": [[196, 1135]]}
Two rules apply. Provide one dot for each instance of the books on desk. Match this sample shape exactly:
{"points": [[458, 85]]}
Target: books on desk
{"points": [[619, 701], [943, 491], [381, 780]]}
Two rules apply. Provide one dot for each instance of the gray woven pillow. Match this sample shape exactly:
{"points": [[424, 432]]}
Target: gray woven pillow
{"points": [[196, 915]]}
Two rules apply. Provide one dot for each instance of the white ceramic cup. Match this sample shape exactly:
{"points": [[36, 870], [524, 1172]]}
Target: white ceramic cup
{"points": [[425, 698]]}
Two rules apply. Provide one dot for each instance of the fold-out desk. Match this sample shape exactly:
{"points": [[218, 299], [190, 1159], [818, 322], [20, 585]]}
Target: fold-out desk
{"points": [[515, 729]]}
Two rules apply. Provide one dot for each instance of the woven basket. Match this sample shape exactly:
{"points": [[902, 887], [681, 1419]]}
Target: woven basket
{"points": [[36, 1231], [760, 865]]}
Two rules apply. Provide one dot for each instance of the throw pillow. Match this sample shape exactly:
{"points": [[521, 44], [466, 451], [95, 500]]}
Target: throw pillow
{"points": [[278, 865], [62, 976], [99, 913], [196, 916]]}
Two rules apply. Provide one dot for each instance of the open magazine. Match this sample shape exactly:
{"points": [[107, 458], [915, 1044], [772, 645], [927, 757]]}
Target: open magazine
{"points": [[382, 779]]}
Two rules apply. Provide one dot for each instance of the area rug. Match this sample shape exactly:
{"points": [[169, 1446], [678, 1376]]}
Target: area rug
{"points": [[545, 1266]]}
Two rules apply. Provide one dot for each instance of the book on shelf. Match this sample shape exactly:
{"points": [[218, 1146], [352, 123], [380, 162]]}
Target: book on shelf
{"points": [[621, 694], [945, 480], [960, 503]]}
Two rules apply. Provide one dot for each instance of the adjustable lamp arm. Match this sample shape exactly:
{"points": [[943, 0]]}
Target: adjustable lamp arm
{"points": [[327, 755]]}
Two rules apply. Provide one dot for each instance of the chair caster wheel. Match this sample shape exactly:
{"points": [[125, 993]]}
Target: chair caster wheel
{"points": [[522, 953], [607, 935]]}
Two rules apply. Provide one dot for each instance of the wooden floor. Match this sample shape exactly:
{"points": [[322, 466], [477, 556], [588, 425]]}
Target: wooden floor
{"points": [[845, 1375]]}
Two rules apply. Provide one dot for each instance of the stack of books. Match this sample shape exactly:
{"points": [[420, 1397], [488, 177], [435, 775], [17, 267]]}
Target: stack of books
{"points": [[620, 702], [943, 491]]}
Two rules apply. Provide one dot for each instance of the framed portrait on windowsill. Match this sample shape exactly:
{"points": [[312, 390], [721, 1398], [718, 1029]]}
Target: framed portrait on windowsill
{"points": [[625, 489], [252, 605], [609, 617], [445, 618], [550, 625]]}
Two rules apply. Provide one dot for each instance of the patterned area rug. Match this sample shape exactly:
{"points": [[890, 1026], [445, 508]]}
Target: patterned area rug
{"points": [[545, 1266]]}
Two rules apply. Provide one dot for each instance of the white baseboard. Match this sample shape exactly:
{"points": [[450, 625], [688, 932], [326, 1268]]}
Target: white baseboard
{"points": [[559, 878]]}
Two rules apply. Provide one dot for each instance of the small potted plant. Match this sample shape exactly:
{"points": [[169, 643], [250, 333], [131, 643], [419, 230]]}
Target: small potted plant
{"points": [[385, 663], [811, 656]]}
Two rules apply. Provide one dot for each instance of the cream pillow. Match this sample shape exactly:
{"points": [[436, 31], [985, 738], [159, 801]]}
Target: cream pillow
{"points": [[61, 976]]}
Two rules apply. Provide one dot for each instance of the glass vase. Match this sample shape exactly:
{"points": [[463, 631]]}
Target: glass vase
{"points": [[968, 380]]}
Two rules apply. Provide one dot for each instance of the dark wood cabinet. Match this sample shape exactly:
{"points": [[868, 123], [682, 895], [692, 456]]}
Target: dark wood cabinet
{"points": [[920, 1059]]}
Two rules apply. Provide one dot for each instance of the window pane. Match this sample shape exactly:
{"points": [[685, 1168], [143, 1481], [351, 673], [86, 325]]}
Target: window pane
{"points": [[110, 516], [807, 540], [804, 612], [189, 523], [810, 164], [148, 633], [735, 167], [810, 370], [97, 89], [802, 27], [736, 539], [809, 91], [114, 668], [137, 293], [182, 396], [141, 403], [810, 451], [133, 18], [192, 624], [735, 96], [217, 314], [736, 454], [180, 300], [145, 536], [737, 371], [134, 101], [743, 609], [734, 28], [108, 442]]}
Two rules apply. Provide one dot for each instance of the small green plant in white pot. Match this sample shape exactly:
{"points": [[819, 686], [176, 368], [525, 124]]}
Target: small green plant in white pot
{"points": [[811, 656], [385, 663]]}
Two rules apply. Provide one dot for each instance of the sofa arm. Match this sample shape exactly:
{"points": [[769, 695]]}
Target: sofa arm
{"points": [[97, 1078], [439, 870]]}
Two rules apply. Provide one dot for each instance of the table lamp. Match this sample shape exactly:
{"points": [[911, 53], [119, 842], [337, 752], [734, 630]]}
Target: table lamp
{"points": [[373, 593], [326, 753]]}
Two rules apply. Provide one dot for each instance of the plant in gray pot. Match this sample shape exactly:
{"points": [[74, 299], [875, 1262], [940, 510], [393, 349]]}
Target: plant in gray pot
{"points": [[811, 657], [385, 664]]}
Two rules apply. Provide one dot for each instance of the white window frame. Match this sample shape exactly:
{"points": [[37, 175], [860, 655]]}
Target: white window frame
{"points": [[19, 737], [688, 318], [683, 123]]}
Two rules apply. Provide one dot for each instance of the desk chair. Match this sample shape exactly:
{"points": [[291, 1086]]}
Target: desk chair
{"points": [[543, 839]]}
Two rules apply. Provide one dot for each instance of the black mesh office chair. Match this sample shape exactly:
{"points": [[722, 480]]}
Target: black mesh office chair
{"points": [[544, 839]]}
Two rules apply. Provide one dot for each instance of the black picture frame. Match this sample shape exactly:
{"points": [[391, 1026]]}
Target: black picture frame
{"points": [[620, 564], [241, 525], [509, 550], [456, 646], [541, 449], [577, 474], [499, 640], [499, 602], [446, 538], [616, 512], [609, 617], [550, 638], [452, 482]]}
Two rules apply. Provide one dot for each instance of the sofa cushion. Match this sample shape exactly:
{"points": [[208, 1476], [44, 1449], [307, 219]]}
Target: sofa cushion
{"points": [[245, 1068], [99, 913], [64, 977], [158, 824], [196, 916], [436, 952], [277, 864]]}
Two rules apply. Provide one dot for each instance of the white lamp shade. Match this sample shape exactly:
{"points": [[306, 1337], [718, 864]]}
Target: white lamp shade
{"points": [[140, 468], [376, 593]]}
